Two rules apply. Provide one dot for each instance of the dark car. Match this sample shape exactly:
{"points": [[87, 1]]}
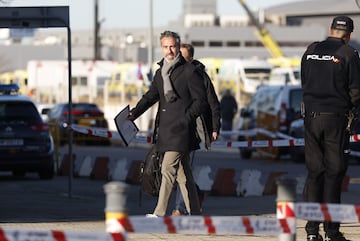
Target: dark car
{"points": [[84, 114], [297, 131], [355, 145], [25, 141], [272, 108]]}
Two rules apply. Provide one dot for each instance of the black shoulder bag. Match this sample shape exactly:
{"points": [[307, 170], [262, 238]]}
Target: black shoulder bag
{"points": [[150, 172]]}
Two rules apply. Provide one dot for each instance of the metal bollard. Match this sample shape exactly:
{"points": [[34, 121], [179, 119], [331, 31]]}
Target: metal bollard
{"points": [[286, 197], [116, 206]]}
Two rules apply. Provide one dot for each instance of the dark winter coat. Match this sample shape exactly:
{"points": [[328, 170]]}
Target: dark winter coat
{"points": [[228, 107], [210, 118], [176, 129]]}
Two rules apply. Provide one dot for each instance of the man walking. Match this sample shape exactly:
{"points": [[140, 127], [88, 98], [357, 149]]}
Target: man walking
{"points": [[207, 125], [179, 89], [228, 107], [330, 77]]}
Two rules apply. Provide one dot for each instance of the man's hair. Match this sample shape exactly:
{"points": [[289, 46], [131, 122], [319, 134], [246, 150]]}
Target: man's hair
{"points": [[340, 33], [189, 48], [170, 34]]}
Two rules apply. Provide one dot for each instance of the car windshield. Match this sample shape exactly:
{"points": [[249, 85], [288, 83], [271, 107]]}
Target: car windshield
{"points": [[295, 99], [297, 74], [83, 107], [19, 111], [267, 99], [257, 73]]}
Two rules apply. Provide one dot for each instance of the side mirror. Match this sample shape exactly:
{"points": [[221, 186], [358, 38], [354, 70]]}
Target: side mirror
{"points": [[245, 112], [45, 111]]}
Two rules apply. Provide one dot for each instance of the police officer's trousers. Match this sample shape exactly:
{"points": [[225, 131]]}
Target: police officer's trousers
{"points": [[326, 155]]}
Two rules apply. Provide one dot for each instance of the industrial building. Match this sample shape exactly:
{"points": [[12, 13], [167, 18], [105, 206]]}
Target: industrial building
{"points": [[292, 25]]}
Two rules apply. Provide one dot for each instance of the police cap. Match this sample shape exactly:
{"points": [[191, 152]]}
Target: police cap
{"points": [[343, 23]]}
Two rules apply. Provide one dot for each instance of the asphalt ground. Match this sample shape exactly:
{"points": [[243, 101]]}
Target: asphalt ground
{"points": [[35, 204], [78, 204]]}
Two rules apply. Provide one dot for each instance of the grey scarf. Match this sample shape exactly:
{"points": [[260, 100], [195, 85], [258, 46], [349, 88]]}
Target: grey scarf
{"points": [[166, 70]]}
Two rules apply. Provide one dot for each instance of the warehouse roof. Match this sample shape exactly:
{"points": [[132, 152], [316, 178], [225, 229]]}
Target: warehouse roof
{"points": [[314, 7]]}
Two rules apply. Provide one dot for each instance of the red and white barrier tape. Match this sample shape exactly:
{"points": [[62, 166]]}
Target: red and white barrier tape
{"points": [[286, 142], [285, 223], [250, 132], [11, 234], [328, 212], [96, 131], [259, 143], [103, 132], [285, 210], [218, 225]]}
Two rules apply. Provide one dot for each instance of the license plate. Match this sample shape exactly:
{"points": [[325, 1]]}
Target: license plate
{"points": [[87, 122], [12, 142]]}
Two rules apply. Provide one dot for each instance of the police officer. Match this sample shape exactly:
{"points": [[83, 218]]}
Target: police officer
{"points": [[330, 78]]}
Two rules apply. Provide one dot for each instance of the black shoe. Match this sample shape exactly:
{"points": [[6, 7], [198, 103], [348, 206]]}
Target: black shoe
{"points": [[314, 237], [337, 237]]}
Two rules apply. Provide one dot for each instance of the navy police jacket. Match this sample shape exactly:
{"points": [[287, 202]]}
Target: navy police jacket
{"points": [[330, 76]]}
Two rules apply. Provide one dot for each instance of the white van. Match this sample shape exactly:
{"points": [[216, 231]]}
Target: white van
{"points": [[285, 76], [271, 108], [243, 75]]}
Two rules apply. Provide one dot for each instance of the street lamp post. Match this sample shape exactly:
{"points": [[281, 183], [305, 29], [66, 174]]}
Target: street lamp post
{"points": [[97, 54], [150, 47]]}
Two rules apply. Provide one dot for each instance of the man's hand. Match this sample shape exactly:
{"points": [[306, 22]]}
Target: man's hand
{"points": [[130, 117], [353, 118], [214, 136]]}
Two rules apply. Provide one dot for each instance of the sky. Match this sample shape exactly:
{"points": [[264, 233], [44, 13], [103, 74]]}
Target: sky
{"points": [[134, 13]]}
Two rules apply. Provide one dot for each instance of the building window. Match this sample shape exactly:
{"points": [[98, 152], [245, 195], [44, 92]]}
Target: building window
{"points": [[83, 81], [215, 44], [198, 43], [293, 44], [74, 81], [233, 43], [253, 44], [79, 80]]}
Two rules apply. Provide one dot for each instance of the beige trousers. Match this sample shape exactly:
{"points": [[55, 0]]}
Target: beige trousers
{"points": [[176, 168]]}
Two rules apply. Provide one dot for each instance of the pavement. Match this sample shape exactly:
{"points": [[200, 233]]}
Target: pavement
{"points": [[50, 205], [78, 204]]}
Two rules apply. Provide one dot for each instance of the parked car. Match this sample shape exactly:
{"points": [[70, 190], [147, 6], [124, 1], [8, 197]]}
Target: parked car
{"points": [[285, 75], [43, 109], [25, 141], [83, 113], [297, 131], [355, 146], [271, 108]]}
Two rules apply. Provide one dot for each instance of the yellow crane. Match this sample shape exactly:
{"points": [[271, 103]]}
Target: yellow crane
{"points": [[278, 57]]}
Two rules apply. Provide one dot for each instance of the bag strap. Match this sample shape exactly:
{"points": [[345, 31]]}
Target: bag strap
{"points": [[192, 158], [140, 197]]}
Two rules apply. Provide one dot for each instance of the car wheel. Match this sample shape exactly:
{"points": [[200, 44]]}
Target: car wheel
{"points": [[105, 143], [47, 173], [297, 154], [62, 143], [18, 173], [245, 153]]}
